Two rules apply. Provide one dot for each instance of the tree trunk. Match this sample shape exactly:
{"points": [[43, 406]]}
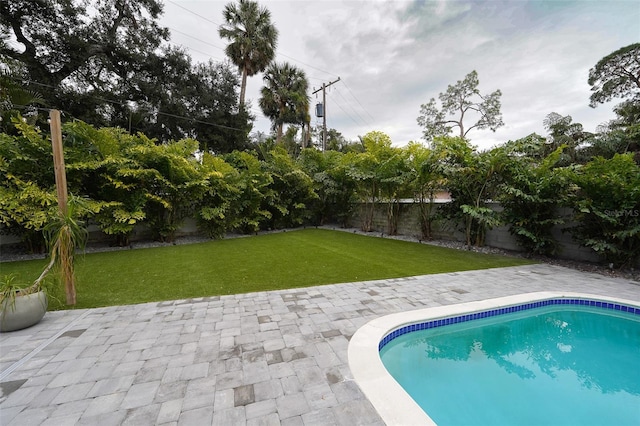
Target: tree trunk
{"points": [[426, 209], [367, 224], [243, 86]]}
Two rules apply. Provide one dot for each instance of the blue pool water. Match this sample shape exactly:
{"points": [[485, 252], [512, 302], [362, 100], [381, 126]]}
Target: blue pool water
{"points": [[554, 365]]}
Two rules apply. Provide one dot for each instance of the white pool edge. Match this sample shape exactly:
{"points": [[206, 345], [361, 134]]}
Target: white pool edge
{"points": [[391, 401]]}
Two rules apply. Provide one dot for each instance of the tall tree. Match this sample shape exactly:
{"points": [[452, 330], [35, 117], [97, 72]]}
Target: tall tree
{"points": [[380, 173], [460, 103], [63, 38], [531, 192], [471, 178], [284, 96], [563, 132], [252, 37], [222, 126], [79, 46], [617, 75], [108, 63], [425, 179]]}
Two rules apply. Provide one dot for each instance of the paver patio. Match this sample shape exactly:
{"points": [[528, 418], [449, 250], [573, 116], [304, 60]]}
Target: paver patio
{"points": [[265, 358]]}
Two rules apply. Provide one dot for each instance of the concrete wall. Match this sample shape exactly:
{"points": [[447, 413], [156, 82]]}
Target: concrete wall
{"points": [[408, 224], [499, 237], [140, 233]]}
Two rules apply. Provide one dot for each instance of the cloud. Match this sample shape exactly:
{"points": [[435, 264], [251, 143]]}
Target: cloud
{"points": [[393, 56]]}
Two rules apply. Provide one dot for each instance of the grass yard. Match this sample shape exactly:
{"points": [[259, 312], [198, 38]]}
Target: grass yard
{"points": [[284, 260]]}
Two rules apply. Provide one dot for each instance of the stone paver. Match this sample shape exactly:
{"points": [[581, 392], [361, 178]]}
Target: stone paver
{"points": [[268, 358]]}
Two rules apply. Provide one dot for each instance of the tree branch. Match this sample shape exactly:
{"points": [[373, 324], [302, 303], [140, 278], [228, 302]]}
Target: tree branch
{"points": [[30, 48]]}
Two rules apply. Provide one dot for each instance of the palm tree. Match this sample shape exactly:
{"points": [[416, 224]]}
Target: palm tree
{"points": [[252, 38], [284, 96], [13, 94]]}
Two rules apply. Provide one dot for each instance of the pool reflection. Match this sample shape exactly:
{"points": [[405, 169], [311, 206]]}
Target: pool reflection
{"points": [[549, 343]]}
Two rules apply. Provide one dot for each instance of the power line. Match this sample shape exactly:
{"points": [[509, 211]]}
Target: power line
{"points": [[142, 109], [196, 38], [202, 53], [277, 54], [352, 108], [310, 66], [223, 49], [219, 25], [195, 13], [354, 97], [348, 115]]}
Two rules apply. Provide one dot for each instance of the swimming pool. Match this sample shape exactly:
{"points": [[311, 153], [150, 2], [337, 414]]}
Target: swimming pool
{"points": [[389, 398]]}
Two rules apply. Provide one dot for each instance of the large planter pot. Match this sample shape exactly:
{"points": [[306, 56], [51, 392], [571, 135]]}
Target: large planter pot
{"points": [[25, 312]]}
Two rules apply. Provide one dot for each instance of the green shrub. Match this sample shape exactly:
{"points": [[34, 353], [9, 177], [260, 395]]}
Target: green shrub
{"points": [[531, 196], [606, 204]]}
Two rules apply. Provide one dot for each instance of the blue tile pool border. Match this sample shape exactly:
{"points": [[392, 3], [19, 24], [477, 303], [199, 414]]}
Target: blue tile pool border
{"points": [[501, 311]]}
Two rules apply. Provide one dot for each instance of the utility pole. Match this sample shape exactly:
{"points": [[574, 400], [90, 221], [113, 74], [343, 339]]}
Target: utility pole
{"points": [[324, 112]]}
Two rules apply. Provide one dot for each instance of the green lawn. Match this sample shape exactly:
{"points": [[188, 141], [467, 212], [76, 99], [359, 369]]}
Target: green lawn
{"points": [[290, 259]]}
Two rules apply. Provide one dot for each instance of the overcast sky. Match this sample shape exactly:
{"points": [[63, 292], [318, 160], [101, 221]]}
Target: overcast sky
{"points": [[393, 56]]}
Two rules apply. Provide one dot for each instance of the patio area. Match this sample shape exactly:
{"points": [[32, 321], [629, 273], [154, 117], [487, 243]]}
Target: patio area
{"points": [[267, 358]]}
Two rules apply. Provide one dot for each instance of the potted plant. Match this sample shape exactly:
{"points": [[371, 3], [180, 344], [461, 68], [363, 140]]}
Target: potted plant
{"points": [[21, 305]]}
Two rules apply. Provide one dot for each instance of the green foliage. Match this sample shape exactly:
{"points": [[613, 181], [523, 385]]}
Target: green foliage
{"points": [[531, 195], [620, 135], [337, 142], [78, 54], [606, 204], [284, 98], [563, 132], [220, 207], [472, 179], [101, 166], [461, 101], [64, 234], [173, 183], [290, 192], [364, 171], [209, 97], [25, 209], [394, 176], [332, 183], [249, 212], [28, 154], [27, 193], [425, 179], [128, 181], [87, 47], [10, 289], [617, 75], [381, 173]]}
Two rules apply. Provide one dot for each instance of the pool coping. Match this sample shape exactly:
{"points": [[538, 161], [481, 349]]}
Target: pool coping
{"points": [[389, 399]]}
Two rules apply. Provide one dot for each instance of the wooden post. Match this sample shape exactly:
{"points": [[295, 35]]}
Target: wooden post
{"points": [[58, 160], [65, 254]]}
